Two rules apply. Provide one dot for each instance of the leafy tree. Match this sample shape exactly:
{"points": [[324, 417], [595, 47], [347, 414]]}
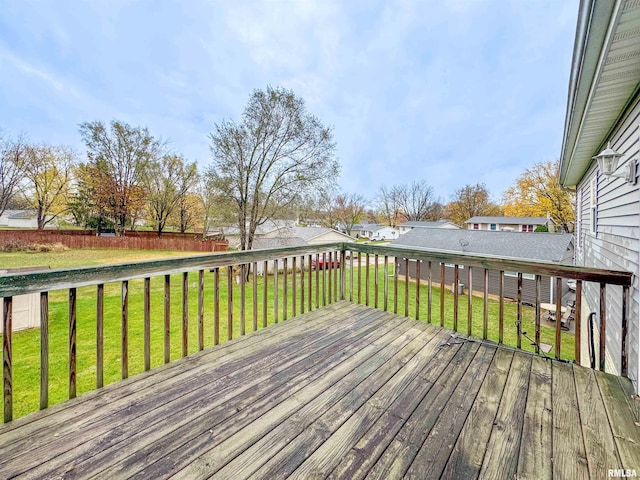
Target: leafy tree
{"points": [[188, 213], [168, 181], [277, 152], [537, 193], [118, 158], [471, 201], [11, 153], [47, 176]]}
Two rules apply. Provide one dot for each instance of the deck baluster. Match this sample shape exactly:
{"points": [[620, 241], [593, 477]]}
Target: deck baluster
{"points": [[442, 272], [386, 283], [254, 295], [147, 324], [485, 313], [329, 269], [376, 279], [294, 291], [396, 272], [519, 315], [302, 272], [418, 262], [185, 314], [44, 350], [275, 291], [230, 302], [317, 280], [406, 287], [167, 318], [578, 315], [285, 297], [200, 310], [456, 295], [243, 295], [429, 293], [359, 278], [216, 306], [100, 335], [265, 292], [469, 300], [124, 332], [558, 289], [366, 281], [500, 306], [603, 325], [537, 314], [7, 365]]}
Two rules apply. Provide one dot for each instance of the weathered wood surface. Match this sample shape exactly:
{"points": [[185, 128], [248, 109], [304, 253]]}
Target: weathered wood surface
{"points": [[345, 391]]}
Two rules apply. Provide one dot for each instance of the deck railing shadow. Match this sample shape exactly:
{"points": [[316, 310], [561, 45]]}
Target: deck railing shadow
{"points": [[131, 317]]}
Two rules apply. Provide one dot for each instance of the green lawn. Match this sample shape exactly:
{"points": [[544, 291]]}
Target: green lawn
{"points": [[26, 344]]}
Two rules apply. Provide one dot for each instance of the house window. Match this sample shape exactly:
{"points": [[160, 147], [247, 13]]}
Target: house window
{"points": [[594, 204], [476, 226], [527, 228], [493, 226], [526, 276]]}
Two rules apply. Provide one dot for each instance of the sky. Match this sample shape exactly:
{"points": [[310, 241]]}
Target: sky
{"points": [[452, 92]]}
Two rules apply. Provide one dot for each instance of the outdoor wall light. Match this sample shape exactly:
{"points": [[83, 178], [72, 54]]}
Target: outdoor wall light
{"points": [[608, 163]]}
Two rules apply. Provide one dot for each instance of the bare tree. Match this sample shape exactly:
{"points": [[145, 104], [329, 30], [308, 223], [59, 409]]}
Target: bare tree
{"points": [[168, 181], [278, 152], [388, 203], [118, 157], [415, 200], [11, 152], [348, 209], [470, 201], [47, 177]]}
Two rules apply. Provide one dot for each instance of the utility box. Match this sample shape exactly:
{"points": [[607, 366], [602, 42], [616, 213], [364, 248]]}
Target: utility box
{"points": [[25, 308], [460, 288]]}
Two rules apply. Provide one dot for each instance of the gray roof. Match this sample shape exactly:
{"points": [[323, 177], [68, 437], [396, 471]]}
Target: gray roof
{"points": [[309, 233], [20, 214], [278, 242], [413, 223], [267, 227], [510, 220], [548, 247]]}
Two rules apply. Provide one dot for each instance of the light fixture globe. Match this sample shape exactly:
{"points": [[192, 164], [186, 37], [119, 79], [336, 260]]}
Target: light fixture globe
{"points": [[608, 160]]}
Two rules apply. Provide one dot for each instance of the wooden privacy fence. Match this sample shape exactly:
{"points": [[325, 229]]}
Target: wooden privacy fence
{"points": [[88, 239], [231, 298]]}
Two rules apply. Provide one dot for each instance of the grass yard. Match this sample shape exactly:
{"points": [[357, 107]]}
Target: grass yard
{"points": [[26, 344]]}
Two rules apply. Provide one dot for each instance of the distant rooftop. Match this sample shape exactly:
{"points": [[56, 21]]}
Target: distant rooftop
{"points": [[510, 220], [414, 224]]}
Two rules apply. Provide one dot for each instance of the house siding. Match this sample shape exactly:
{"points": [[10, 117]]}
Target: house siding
{"points": [[614, 245]]}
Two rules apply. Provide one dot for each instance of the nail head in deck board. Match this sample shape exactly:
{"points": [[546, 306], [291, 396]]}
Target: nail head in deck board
{"points": [[467, 455], [569, 456], [602, 454], [434, 453], [536, 453]]}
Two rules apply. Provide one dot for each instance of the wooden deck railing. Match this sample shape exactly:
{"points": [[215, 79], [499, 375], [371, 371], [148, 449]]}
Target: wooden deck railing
{"points": [[281, 284]]}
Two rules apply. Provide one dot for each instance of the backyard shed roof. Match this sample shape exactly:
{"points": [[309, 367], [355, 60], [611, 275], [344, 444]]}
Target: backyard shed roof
{"points": [[548, 247]]}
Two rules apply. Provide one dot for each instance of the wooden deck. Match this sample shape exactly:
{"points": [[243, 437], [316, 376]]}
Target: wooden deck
{"points": [[342, 392]]}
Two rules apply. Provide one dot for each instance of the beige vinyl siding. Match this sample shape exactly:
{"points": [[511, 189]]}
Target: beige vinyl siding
{"points": [[615, 245]]}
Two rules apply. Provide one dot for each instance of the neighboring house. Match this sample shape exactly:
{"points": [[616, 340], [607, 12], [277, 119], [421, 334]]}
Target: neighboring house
{"points": [[19, 219], [269, 229], [604, 110], [316, 235], [508, 224], [295, 237], [358, 230], [379, 232], [278, 242], [408, 226], [546, 247]]}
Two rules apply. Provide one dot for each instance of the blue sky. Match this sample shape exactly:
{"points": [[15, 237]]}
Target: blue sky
{"points": [[451, 91]]}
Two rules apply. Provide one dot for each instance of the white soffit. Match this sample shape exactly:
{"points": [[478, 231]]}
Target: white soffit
{"points": [[615, 81]]}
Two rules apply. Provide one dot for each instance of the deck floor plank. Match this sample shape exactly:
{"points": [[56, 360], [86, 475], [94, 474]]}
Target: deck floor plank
{"points": [[536, 450], [468, 453], [159, 407], [234, 404], [600, 446], [569, 456], [310, 402], [345, 392], [503, 449], [436, 449]]}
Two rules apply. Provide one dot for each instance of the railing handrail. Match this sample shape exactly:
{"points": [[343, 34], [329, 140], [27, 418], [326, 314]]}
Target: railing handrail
{"points": [[63, 278], [491, 262], [57, 279]]}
